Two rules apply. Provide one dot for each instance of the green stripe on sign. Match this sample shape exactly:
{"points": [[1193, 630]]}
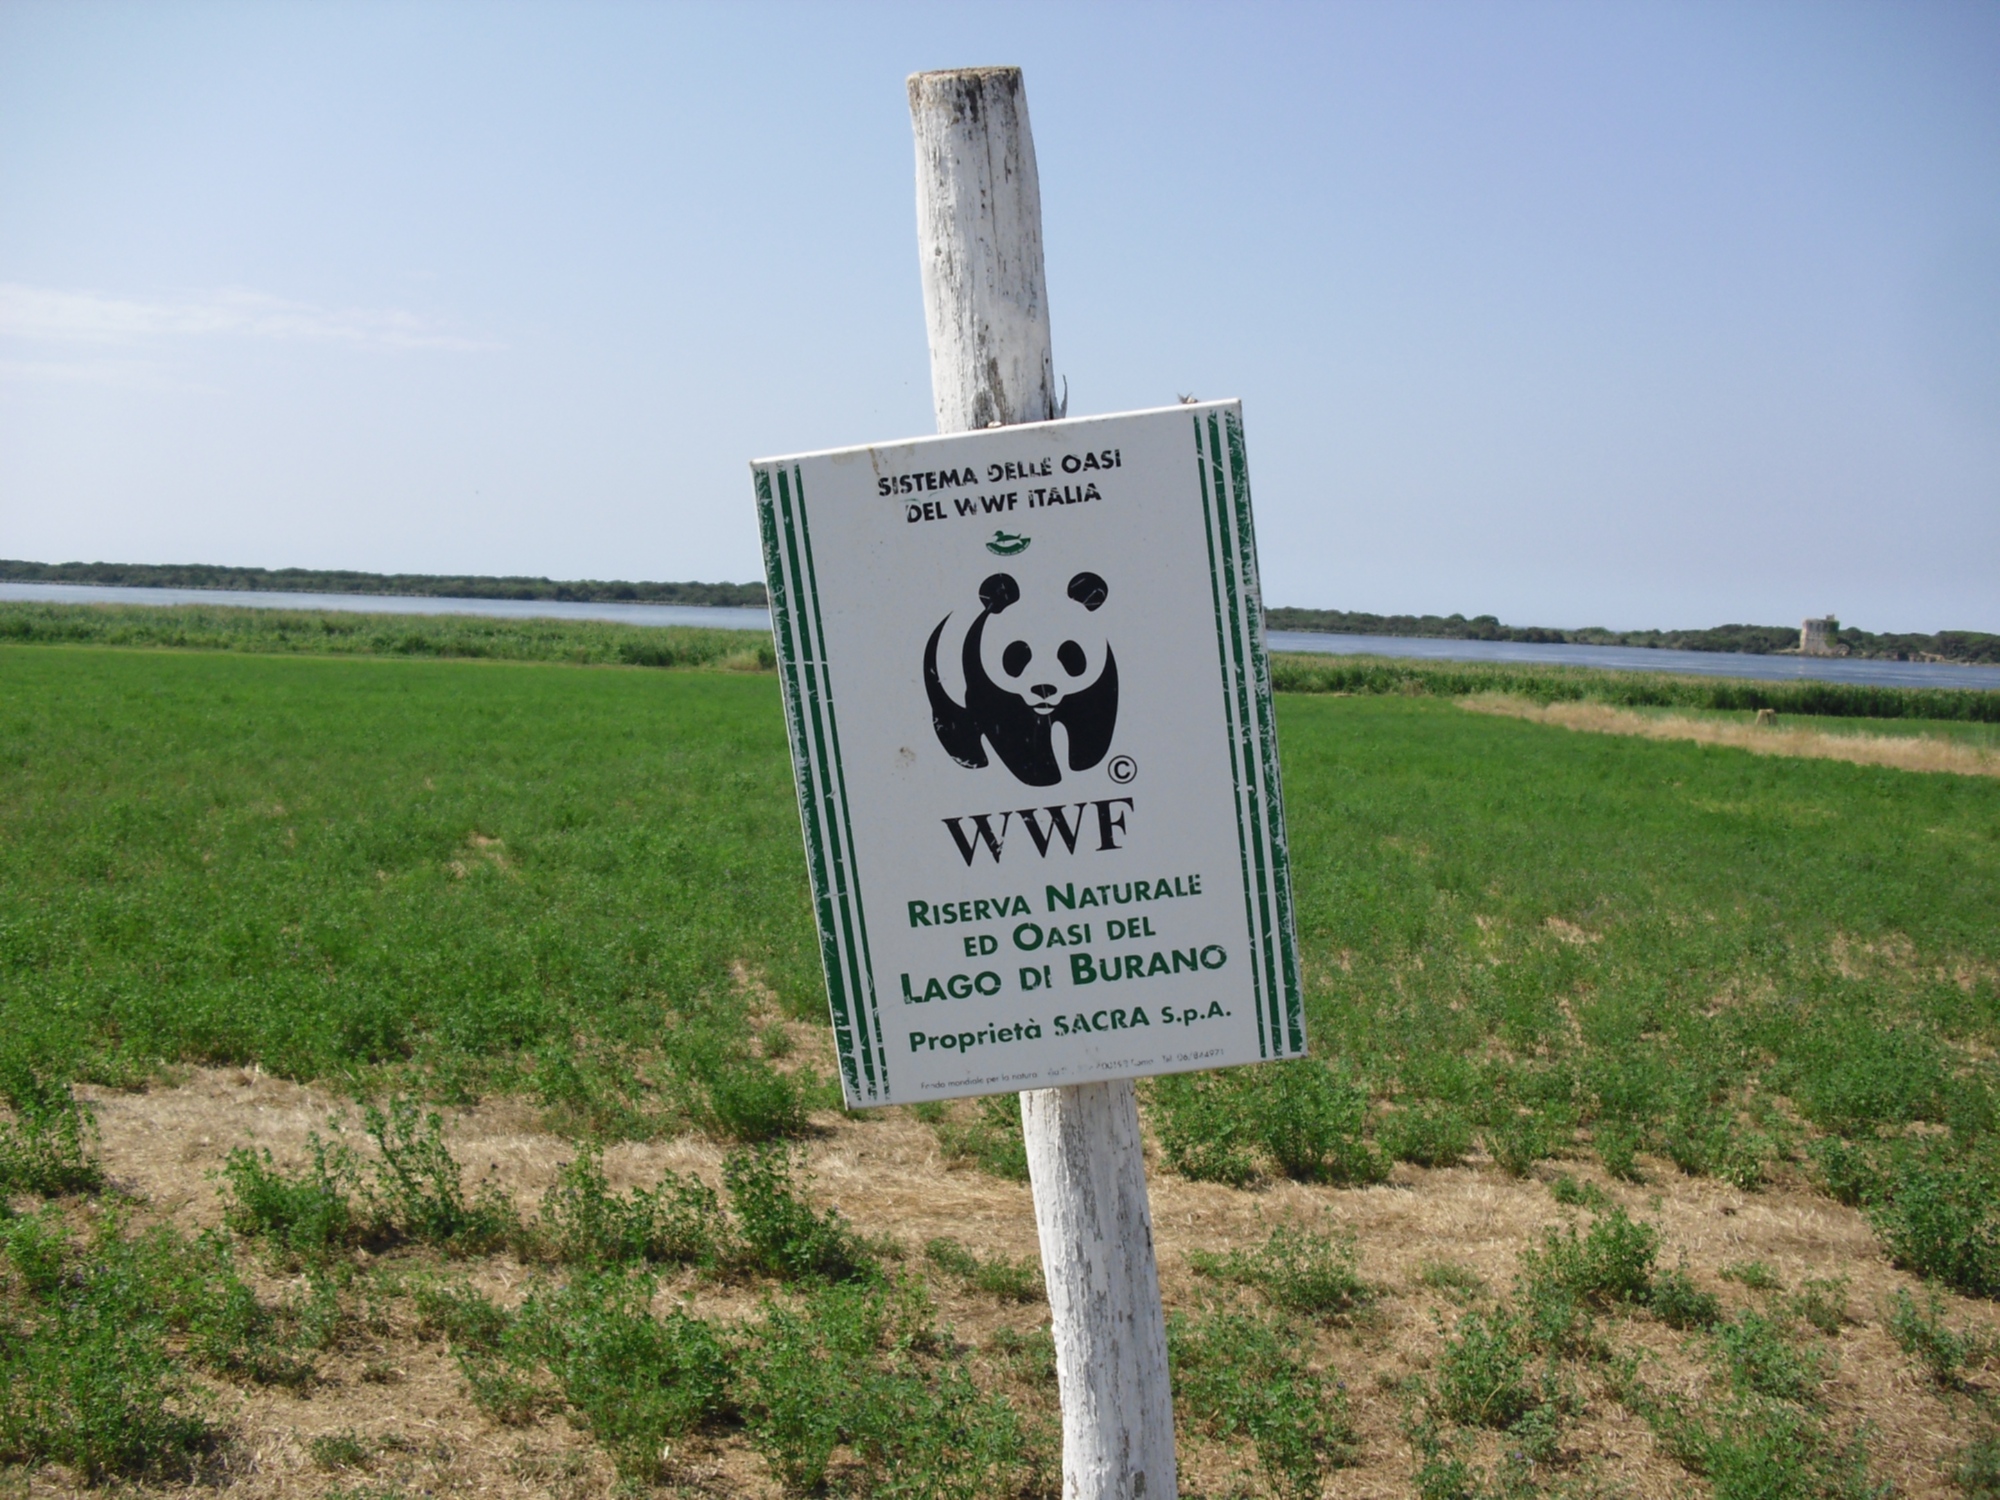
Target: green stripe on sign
{"points": [[1252, 766], [1267, 731], [861, 963], [785, 638], [831, 870], [1218, 591]]}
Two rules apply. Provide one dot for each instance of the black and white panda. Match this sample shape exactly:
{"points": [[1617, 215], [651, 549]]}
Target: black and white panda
{"points": [[1030, 665]]}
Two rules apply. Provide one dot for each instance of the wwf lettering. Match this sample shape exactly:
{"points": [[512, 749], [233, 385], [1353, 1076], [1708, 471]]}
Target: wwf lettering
{"points": [[985, 833]]}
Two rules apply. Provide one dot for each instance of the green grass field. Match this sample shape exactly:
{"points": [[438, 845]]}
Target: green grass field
{"points": [[456, 878]]}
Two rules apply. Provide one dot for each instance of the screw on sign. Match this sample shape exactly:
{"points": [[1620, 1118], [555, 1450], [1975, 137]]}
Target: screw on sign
{"points": [[981, 636]]}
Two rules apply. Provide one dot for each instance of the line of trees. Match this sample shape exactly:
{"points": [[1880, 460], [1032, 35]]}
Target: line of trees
{"points": [[337, 581], [1754, 640]]}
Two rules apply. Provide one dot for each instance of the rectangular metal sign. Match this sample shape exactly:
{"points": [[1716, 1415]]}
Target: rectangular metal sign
{"points": [[1030, 713]]}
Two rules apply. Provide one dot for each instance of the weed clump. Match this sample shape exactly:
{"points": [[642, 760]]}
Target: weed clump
{"points": [[1759, 1434], [1977, 1471], [1009, 1280], [1612, 1263], [1520, 1138], [1239, 1376], [1922, 1333], [1679, 1303], [1427, 1135], [992, 1140], [1301, 1119], [89, 1373], [783, 1235], [1822, 1302], [1297, 1270], [851, 1367], [636, 1380], [1753, 1274], [308, 1216], [411, 1192], [1482, 1375], [48, 1148], [678, 1222]]}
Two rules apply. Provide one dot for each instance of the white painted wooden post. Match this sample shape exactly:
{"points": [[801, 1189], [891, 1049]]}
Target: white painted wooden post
{"points": [[979, 232]]}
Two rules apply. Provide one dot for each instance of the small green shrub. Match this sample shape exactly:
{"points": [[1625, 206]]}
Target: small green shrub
{"points": [[1850, 1076], [1977, 1471], [1921, 1332], [418, 1189], [1308, 1117], [1679, 1303], [1301, 1119], [1618, 1148], [1482, 1374], [1612, 1263], [587, 1093], [1567, 1190], [636, 1380], [991, 1140], [1520, 1139], [339, 1450], [1297, 1269], [1009, 1280], [1427, 1135], [846, 1368], [1450, 1277], [1761, 1361], [1239, 1376], [48, 1148], [1764, 1450], [1822, 1302], [783, 1235], [750, 1101], [1941, 1219], [461, 1314], [1849, 1172], [583, 1223], [308, 1216], [86, 1373], [1201, 1128], [1753, 1274]]}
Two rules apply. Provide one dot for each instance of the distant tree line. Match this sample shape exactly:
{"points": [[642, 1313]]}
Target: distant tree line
{"points": [[1753, 640], [336, 581]]}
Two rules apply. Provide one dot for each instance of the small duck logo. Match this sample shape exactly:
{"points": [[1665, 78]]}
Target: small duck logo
{"points": [[1007, 544]]}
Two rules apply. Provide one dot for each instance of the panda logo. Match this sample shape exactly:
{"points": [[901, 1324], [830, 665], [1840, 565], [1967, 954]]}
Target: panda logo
{"points": [[1033, 669]]}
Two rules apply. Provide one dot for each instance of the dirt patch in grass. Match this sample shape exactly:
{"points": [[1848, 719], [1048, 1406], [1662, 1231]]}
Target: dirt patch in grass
{"points": [[390, 1411], [1903, 752]]}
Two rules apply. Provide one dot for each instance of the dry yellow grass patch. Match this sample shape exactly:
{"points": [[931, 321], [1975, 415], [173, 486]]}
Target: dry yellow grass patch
{"points": [[405, 1397], [1905, 752]]}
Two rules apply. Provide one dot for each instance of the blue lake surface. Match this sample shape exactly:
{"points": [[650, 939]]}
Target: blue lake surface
{"points": [[707, 616], [1620, 658]]}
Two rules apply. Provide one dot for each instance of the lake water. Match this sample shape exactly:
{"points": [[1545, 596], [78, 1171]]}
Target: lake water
{"points": [[1623, 658], [398, 604]]}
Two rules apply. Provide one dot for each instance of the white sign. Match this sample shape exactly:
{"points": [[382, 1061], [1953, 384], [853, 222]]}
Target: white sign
{"points": [[1030, 713]]}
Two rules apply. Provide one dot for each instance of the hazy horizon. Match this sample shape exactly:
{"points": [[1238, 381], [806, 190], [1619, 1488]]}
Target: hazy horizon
{"points": [[1649, 316]]}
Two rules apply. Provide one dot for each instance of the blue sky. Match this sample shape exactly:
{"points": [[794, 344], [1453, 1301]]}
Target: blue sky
{"points": [[1620, 314]]}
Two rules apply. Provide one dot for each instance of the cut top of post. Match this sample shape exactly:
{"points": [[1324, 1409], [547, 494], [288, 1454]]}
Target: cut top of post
{"points": [[979, 236]]}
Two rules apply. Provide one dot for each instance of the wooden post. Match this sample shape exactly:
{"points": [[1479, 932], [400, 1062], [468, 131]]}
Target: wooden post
{"points": [[979, 233]]}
